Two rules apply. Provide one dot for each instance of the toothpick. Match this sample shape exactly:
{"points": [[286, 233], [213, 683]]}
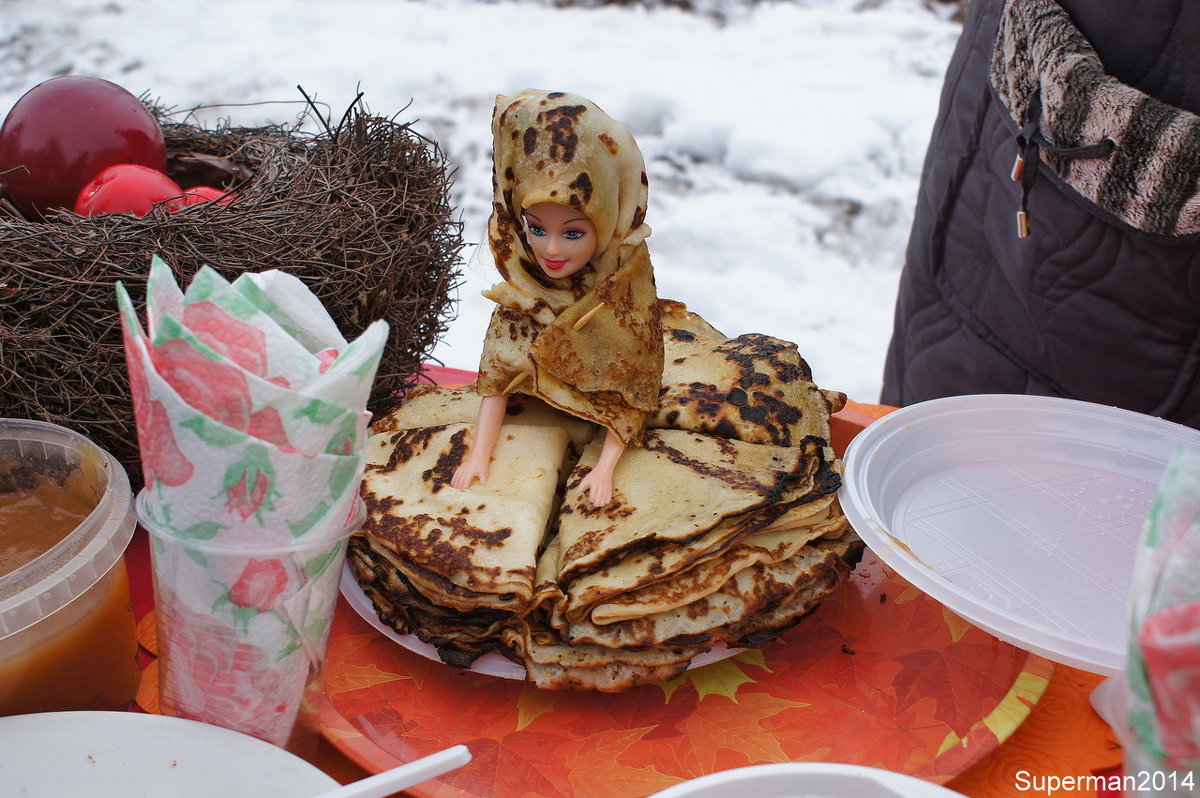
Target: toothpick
{"points": [[517, 380], [586, 317]]}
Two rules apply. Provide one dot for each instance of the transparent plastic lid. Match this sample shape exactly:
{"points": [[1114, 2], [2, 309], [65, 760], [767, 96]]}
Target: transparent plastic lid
{"points": [[1019, 513], [52, 580]]}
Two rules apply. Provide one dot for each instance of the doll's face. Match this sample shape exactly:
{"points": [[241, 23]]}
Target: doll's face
{"points": [[563, 239]]}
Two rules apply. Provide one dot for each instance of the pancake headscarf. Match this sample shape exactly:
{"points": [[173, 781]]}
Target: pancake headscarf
{"points": [[561, 148]]}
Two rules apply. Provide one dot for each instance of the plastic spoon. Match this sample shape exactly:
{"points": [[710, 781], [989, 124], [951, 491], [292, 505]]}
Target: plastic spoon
{"points": [[404, 776]]}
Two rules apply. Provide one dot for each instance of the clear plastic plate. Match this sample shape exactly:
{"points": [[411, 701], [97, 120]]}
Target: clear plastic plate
{"points": [[1019, 513]]}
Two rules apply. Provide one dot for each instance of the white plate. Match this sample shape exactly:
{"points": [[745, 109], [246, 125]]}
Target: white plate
{"points": [[128, 754], [1019, 513], [492, 664], [806, 780]]}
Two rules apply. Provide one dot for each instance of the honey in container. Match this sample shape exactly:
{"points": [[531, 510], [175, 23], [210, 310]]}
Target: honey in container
{"points": [[67, 637]]}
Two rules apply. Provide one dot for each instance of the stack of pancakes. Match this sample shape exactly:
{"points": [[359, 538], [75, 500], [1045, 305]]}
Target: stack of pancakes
{"points": [[724, 527]]}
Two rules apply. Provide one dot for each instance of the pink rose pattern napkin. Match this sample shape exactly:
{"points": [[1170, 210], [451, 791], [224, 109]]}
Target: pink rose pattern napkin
{"points": [[252, 421], [1163, 668]]}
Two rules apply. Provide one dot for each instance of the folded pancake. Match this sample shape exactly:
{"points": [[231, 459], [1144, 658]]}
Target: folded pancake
{"points": [[753, 388], [771, 545], [429, 406], [697, 519], [435, 405], [761, 598], [762, 626], [552, 664], [583, 592], [460, 637], [676, 316], [547, 592], [463, 550], [675, 489]]}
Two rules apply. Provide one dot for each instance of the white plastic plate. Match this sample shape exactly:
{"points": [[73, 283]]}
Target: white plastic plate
{"points": [[806, 780], [1019, 513], [492, 663], [132, 755]]}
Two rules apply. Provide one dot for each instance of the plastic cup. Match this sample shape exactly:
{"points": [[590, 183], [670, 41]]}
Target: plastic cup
{"points": [[1146, 776], [1170, 644], [243, 628], [67, 634]]}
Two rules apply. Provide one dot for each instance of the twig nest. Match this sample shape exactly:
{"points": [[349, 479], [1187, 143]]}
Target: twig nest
{"points": [[360, 214]]}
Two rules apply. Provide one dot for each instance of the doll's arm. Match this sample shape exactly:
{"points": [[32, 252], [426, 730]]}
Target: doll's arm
{"points": [[599, 480], [487, 429]]}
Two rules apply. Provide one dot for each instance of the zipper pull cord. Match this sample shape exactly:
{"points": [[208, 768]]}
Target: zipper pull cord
{"points": [[1025, 167], [1030, 142]]}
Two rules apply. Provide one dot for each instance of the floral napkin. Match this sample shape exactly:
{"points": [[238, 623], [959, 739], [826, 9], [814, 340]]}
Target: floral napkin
{"points": [[252, 425], [1163, 669], [235, 408]]}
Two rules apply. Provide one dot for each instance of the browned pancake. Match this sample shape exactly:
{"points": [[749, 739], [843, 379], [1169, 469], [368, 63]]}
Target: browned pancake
{"points": [[753, 387], [472, 548], [435, 405], [726, 530], [728, 614], [674, 490]]}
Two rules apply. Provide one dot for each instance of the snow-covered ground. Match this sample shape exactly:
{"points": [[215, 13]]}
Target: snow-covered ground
{"points": [[783, 139]]}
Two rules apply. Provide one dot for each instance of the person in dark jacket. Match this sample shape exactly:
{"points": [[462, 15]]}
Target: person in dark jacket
{"points": [[1055, 248]]}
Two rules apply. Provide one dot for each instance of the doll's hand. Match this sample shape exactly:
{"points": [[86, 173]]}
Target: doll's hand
{"points": [[599, 481], [479, 457], [598, 484], [473, 468]]}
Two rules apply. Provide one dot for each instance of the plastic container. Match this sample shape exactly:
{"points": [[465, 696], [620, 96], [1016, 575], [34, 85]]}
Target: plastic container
{"points": [[243, 626], [67, 634]]}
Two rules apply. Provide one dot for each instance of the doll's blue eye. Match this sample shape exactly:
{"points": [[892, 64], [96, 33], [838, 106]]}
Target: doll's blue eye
{"points": [[536, 230], [573, 234]]}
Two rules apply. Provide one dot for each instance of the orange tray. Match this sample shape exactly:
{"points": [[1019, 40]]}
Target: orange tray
{"points": [[879, 675]]}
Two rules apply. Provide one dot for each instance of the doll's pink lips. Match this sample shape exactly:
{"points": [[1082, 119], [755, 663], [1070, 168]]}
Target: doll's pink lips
{"points": [[554, 265]]}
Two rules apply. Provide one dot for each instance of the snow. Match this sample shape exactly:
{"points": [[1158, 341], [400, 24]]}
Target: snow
{"points": [[783, 140]]}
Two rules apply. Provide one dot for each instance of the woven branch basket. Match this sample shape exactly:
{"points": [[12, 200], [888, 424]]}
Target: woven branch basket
{"points": [[361, 214]]}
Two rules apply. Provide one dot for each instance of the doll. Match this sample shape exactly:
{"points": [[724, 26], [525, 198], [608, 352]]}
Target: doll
{"points": [[577, 321]]}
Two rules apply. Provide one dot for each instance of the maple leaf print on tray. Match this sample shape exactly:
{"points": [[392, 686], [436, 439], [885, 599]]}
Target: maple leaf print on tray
{"points": [[880, 675]]}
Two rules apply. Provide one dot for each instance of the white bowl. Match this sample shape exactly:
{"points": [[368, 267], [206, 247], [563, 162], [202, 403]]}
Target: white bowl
{"points": [[806, 780], [128, 754]]}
